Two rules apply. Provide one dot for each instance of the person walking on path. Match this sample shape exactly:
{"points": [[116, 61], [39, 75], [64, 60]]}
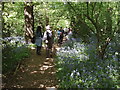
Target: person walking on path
{"points": [[60, 40], [66, 31], [70, 33], [38, 40], [48, 41]]}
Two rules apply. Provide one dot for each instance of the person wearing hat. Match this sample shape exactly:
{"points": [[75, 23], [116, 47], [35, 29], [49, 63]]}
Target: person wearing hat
{"points": [[61, 35], [47, 38]]}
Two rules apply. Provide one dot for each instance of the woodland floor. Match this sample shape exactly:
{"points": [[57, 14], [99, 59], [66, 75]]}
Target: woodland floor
{"points": [[34, 72]]}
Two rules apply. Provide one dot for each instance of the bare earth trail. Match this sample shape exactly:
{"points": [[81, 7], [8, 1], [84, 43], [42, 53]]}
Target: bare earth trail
{"points": [[35, 72]]}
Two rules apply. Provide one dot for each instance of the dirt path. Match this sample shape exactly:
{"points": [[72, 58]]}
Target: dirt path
{"points": [[35, 72]]}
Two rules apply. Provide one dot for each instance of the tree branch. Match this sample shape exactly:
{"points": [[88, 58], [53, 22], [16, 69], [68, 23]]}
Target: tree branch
{"points": [[72, 7], [80, 20], [87, 8], [92, 21], [93, 7]]}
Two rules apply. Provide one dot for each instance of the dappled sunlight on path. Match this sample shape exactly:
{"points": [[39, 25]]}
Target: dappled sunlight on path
{"points": [[35, 72]]}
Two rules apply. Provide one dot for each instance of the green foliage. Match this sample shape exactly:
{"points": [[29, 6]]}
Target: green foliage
{"points": [[78, 67], [12, 55], [97, 19], [51, 12], [12, 58], [13, 19]]}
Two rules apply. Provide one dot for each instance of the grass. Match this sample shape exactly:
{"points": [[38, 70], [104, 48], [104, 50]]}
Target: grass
{"points": [[12, 56]]}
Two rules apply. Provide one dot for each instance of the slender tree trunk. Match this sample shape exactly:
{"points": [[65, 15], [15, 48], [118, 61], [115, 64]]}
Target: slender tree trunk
{"points": [[2, 21], [47, 21], [29, 21], [46, 18], [118, 18]]}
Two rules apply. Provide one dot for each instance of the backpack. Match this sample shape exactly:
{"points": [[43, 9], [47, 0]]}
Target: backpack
{"points": [[49, 37], [33, 39]]}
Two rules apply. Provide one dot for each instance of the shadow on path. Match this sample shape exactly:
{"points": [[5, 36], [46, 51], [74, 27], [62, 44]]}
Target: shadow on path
{"points": [[34, 72]]}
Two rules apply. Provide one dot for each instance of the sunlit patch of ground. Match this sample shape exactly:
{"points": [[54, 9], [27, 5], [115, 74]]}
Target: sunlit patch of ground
{"points": [[35, 72]]}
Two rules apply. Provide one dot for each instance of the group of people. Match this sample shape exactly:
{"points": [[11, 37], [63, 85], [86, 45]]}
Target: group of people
{"points": [[66, 32], [48, 38]]}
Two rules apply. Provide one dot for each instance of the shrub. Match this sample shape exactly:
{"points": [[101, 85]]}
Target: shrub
{"points": [[13, 51], [78, 66]]}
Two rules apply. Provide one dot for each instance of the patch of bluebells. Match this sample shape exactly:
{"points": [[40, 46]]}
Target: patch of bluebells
{"points": [[79, 67], [13, 41], [14, 49], [114, 48], [12, 44]]}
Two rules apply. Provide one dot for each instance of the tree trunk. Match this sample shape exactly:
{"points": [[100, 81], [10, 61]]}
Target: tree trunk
{"points": [[2, 21], [29, 21], [118, 18], [47, 20]]}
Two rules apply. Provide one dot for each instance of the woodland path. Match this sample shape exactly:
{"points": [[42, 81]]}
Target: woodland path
{"points": [[35, 72]]}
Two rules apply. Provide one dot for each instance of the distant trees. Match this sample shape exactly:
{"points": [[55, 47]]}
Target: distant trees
{"points": [[95, 18]]}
